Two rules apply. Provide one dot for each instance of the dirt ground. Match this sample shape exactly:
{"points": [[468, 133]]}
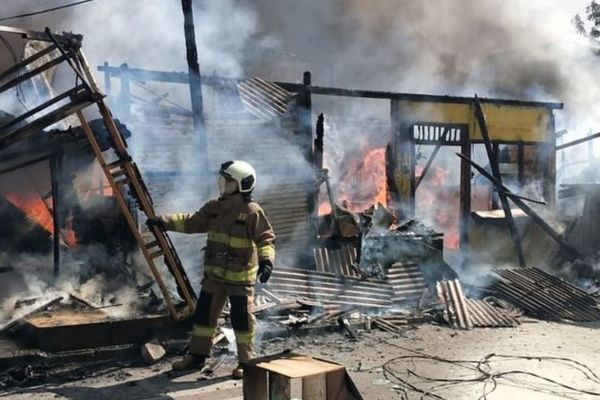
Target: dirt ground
{"points": [[379, 363]]}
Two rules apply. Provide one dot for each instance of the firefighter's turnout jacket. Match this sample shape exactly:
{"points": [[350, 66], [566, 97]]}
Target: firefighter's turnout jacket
{"points": [[239, 236]]}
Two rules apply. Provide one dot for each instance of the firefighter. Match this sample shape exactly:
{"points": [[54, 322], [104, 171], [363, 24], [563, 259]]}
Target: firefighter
{"points": [[239, 248]]}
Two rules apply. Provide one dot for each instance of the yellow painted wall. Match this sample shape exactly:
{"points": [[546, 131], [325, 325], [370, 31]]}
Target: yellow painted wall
{"points": [[505, 122]]}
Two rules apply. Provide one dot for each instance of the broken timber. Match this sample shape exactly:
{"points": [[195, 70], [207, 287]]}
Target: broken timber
{"points": [[122, 174], [492, 157], [30, 311], [568, 250]]}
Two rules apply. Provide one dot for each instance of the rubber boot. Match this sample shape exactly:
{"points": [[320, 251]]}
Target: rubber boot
{"points": [[238, 372], [189, 362]]}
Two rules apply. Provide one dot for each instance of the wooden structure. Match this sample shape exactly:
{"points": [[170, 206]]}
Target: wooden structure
{"points": [[270, 378], [118, 166], [518, 136]]}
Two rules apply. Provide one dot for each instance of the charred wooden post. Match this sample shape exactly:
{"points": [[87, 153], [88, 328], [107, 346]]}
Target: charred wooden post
{"points": [[305, 121], [195, 80], [492, 154], [124, 99], [404, 175], [548, 151], [465, 197], [55, 178], [305, 114], [521, 163], [318, 160], [318, 144], [107, 81]]}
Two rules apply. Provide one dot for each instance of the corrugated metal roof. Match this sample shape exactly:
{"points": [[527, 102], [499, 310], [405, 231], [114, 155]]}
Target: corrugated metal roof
{"points": [[264, 99], [336, 261], [408, 282], [457, 312], [331, 288], [546, 296]]}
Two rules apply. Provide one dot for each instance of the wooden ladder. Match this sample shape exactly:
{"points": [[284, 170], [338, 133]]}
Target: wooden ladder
{"points": [[124, 176], [120, 170]]}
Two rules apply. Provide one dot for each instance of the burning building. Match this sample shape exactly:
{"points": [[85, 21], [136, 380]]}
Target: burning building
{"points": [[378, 230]]}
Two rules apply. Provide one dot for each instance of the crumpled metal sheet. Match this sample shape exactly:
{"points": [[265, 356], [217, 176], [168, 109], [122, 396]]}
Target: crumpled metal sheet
{"points": [[264, 99], [465, 313], [545, 296]]}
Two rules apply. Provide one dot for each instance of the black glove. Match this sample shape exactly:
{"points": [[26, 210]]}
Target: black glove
{"points": [[265, 268], [156, 221]]}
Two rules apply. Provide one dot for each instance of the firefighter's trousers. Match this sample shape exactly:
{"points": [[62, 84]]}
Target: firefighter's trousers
{"points": [[213, 296]]}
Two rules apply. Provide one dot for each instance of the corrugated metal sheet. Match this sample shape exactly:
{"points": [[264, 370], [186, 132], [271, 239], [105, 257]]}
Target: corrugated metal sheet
{"points": [[457, 311], [546, 296], [262, 98], [464, 313], [330, 288], [483, 314], [336, 261], [408, 282]]}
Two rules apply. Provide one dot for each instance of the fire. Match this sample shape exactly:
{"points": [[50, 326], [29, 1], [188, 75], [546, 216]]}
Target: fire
{"points": [[362, 183], [437, 202], [39, 212], [35, 209]]}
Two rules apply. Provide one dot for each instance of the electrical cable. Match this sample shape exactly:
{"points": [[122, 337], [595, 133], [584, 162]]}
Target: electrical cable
{"points": [[484, 374], [44, 11]]}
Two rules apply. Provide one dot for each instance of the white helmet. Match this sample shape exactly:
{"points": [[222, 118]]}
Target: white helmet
{"points": [[241, 172]]}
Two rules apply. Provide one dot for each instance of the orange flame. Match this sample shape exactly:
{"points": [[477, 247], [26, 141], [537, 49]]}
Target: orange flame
{"points": [[362, 184], [437, 203], [35, 209]]}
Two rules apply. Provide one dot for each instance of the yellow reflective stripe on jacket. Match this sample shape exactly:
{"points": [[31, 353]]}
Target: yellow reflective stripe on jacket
{"points": [[178, 222], [248, 275], [267, 251], [244, 337], [203, 330], [231, 241]]}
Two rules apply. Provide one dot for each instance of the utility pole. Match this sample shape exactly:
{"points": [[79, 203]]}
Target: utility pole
{"points": [[195, 81]]}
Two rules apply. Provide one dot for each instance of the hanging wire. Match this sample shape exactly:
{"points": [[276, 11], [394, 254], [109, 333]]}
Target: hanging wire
{"points": [[44, 11]]}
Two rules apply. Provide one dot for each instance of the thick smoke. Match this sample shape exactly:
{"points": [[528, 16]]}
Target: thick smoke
{"points": [[512, 48]]}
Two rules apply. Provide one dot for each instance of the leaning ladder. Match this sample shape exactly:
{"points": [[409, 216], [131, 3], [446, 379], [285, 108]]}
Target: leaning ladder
{"points": [[121, 172]]}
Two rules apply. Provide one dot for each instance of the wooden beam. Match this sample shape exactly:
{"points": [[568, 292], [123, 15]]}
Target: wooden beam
{"points": [[492, 156], [15, 320], [437, 148], [578, 141], [195, 81], [568, 250]]}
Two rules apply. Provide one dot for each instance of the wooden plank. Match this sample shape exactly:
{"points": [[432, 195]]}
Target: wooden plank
{"points": [[314, 387], [25, 313], [336, 385], [280, 387], [298, 366], [255, 383]]}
